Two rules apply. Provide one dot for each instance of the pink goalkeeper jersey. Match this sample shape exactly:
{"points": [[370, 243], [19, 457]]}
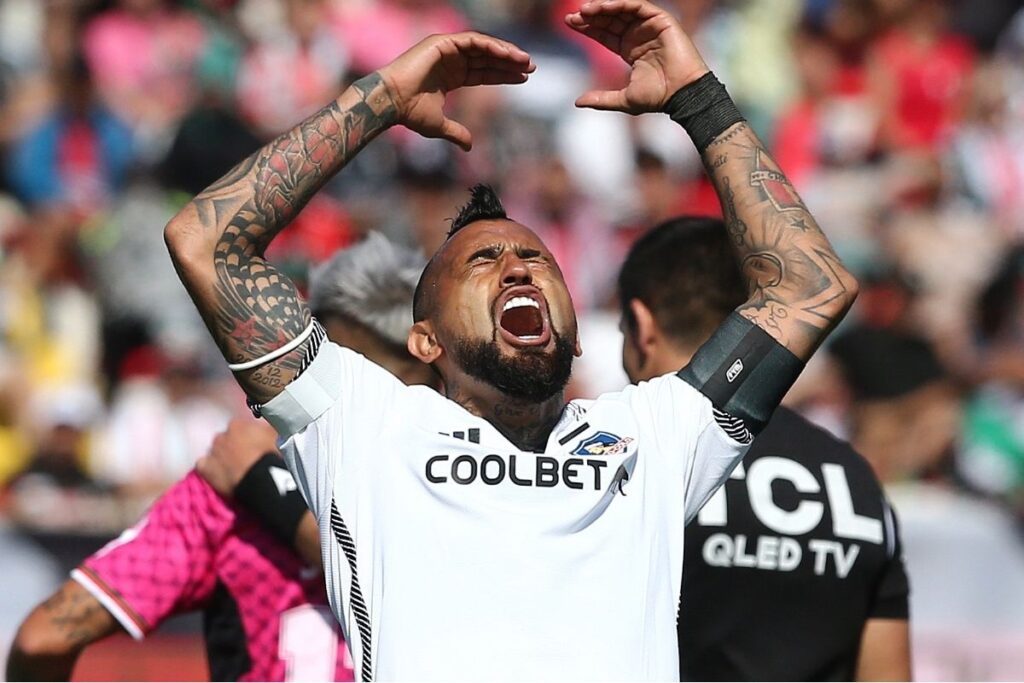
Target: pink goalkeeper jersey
{"points": [[265, 614]]}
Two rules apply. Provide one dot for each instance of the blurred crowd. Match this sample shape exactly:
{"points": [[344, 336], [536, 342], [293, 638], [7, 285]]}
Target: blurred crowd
{"points": [[899, 121]]}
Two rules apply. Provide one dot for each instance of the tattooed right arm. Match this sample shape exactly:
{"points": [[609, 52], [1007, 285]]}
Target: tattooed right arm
{"points": [[218, 240], [55, 633]]}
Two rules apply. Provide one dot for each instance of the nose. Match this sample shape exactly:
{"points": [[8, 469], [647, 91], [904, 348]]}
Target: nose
{"points": [[515, 271]]}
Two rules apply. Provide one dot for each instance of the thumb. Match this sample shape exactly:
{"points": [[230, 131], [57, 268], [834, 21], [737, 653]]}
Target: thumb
{"points": [[453, 131], [606, 100]]}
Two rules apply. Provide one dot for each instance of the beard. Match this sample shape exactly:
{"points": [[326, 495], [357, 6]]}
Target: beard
{"points": [[529, 375]]}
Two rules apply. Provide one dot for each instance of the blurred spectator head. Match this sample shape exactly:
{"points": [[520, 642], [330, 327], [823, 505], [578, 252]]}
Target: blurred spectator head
{"points": [[929, 14], [554, 188], [75, 84], [988, 101], [207, 145], [428, 181], [142, 362], [363, 297], [61, 418], [916, 179], [1000, 306], [65, 409], [60, 33], [885, 298], [894, 11], [305, 17], [657, 186], [850, 24], [417, 4], [816, 59], [534, 13], [144, 7], [905, 410]]}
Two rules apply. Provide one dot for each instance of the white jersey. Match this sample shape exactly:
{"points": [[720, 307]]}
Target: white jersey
{"points": [[451, 554]]}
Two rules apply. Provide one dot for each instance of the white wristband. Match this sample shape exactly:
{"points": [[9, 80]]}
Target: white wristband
{"points": [[273, 355]]}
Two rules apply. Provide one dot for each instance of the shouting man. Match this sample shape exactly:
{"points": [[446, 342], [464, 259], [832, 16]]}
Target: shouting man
{"points": [[496, 531]]}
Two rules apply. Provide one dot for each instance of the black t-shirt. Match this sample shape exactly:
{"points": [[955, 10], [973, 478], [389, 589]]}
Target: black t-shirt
{"points": [[787, 561]]}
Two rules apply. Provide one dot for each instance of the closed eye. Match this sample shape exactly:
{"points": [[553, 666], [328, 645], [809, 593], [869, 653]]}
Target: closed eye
{"points": [[486, 254]]}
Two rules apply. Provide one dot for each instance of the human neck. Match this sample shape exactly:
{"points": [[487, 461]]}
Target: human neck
{"points": [[527, 424], [669, 359]]}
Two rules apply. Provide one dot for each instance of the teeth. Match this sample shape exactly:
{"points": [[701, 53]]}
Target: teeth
{"points": [[518, 301]]}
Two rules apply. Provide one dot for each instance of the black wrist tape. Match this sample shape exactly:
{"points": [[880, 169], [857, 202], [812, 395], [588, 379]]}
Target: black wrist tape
{"points": [[743, 371], [704, 109], [259, 493]]}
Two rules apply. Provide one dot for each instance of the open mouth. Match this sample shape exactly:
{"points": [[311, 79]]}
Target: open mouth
{"points": [[522, 318]]}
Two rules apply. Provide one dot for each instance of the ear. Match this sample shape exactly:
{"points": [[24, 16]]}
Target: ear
{"points": [[422, 343], [647, 334]]}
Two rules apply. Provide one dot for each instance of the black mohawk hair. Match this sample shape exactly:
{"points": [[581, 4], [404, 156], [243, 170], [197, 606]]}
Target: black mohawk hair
{"points": [[483, 204]]}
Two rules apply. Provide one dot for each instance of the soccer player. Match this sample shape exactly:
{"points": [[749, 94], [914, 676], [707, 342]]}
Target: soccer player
{"points": [[495, 531], [264, 609], [264, 606], [800, 540]]}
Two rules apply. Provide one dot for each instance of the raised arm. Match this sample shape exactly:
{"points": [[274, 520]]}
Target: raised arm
{"points": [[799, 289], [217, 241]]}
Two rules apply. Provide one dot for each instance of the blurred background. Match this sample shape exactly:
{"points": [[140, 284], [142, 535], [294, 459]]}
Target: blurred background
{"points": [[900, 121]]}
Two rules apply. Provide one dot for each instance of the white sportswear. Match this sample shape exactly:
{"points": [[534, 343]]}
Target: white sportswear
{"points": [[451, 554]]}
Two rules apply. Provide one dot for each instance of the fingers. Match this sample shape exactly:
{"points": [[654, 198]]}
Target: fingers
{"points": [[604, 100], [610, 40], [495, 64], [493, 77], [488, 51], [455, 132], [625, 9], [610, 23], [614, 17]]}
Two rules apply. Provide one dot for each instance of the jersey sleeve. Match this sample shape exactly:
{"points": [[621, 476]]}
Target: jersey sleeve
{"points": [[163, 565], [892, 595], [693, 438], [328, 418]]}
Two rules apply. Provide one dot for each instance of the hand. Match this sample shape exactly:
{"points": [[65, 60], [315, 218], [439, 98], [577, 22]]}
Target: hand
{"points": [[234, 451], [419, 78], [662, 56]]}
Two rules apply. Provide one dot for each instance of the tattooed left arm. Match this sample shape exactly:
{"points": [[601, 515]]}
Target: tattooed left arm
{"points": [[799, 290], [55, 633]]}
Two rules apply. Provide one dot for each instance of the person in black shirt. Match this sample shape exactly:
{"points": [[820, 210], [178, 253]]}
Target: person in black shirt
{"points": [[792, 570]]}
